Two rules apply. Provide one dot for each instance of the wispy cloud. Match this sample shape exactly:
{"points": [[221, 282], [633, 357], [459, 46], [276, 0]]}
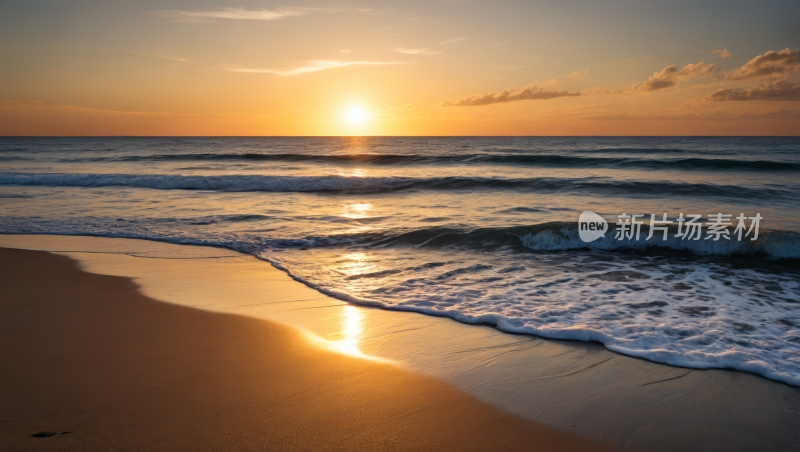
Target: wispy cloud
{"points": [[417, 51], [534, 91], [769, 64], [507, 95], [346, 51], [723, 53], [262, 14], [309, 66], [779, 90]]}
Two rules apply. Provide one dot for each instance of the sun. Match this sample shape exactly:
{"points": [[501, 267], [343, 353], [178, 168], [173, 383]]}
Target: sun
{"points": [[355, 115]]}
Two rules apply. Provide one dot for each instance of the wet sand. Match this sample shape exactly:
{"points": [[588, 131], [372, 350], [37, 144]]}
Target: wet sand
{"points": [[90, 355]]}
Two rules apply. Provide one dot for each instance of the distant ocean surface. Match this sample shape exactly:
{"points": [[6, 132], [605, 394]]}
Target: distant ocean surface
{"points": [[483, 230]]}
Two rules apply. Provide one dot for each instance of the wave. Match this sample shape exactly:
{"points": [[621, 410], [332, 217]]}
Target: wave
{"points": [[552, 160], [591, 185], [563, 236]]}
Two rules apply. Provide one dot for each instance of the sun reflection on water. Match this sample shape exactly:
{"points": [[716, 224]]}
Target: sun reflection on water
{"points": [[357, 172], [356, 210]]}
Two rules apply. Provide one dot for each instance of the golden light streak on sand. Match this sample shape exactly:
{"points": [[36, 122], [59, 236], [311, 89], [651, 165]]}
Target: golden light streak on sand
{"points": [[352, 331]]}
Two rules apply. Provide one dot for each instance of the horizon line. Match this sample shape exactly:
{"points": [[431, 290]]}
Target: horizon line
{"points": [[397, 136]]}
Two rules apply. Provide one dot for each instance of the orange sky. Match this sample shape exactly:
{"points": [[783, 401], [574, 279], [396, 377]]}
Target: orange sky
{"points": [[379, 68]]}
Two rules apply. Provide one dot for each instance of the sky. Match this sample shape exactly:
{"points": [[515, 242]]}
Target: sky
{"points": [[433, 67]]}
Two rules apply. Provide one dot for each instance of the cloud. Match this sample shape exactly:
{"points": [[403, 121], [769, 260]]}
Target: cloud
{"points": [[241, 13], [534, 91], [723, 53], [771, 63], [508, 95], [630, 61], [671, 76], [310, 66], [780, 90], [345, 51], [263, 14], [417, 51]]}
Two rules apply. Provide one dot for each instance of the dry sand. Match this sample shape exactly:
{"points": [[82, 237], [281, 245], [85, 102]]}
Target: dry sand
{"points": [[89, 355]]}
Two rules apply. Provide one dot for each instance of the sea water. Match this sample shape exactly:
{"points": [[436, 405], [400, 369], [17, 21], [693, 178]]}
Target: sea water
{"points": [[482, 230]]}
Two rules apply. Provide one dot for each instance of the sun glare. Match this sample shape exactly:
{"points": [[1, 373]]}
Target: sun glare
{"points": [[355, 115]]}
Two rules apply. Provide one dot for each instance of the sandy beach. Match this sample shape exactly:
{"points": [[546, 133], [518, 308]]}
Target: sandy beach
{"points": [[90, 358]]}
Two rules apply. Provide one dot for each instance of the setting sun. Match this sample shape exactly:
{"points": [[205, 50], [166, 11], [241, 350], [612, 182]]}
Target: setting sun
{"points": [[355, 115]]}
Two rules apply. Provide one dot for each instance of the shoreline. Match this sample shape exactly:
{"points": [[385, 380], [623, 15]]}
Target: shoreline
{"points": [[101, 366], [581, 387]]}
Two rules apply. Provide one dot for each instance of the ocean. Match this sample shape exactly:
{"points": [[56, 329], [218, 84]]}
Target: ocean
{"points": [[482, 230]]}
